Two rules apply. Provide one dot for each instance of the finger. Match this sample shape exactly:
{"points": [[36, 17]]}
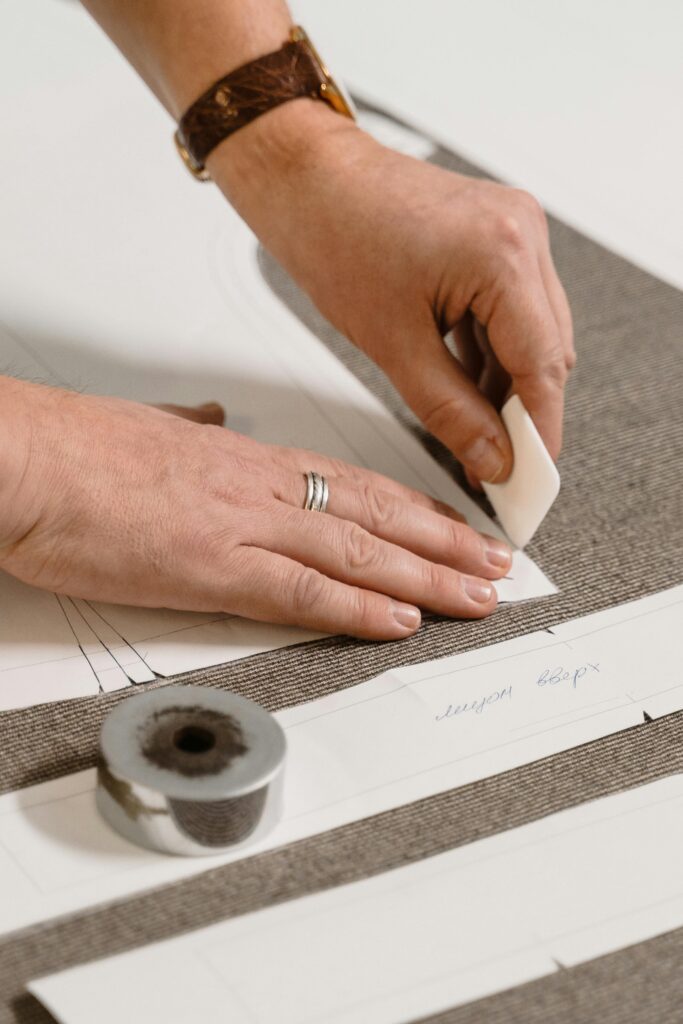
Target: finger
{"points": [[432, 536], [467, 347], [418, 529], [274, 588], [481, 364], [523, 331], [210, 412], [452, 408], [301, 462], [493, 381], [344, 551], [559, 305]]}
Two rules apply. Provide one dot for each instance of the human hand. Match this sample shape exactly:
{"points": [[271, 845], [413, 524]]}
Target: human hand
{"points": [[395, 253], [109, 500]]}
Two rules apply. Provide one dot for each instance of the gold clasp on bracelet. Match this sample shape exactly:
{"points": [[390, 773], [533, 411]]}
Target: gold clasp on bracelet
{"points": [[197, 170]]}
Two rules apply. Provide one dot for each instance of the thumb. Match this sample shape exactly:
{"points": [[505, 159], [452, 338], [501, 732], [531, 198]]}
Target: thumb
{"points": [[210, 412], [450, 405]]}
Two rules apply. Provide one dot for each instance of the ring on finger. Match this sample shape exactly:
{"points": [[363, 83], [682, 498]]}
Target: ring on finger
{"points": [[317, 492]]}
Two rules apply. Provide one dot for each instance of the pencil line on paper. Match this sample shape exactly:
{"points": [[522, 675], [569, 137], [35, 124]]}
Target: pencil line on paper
{"points": [[59, 602]]}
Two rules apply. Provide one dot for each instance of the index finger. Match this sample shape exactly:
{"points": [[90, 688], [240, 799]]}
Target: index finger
{"points": [[526, 339]]}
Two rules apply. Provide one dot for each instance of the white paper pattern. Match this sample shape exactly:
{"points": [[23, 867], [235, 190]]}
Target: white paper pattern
{"points": [[416, 940], [401, 737]]}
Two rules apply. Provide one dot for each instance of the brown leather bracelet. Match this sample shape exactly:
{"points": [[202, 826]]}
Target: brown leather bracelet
{"points": [[235, 100]]}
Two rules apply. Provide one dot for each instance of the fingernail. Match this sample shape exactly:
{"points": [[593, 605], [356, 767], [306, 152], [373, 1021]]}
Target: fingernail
{"points": [[478, 590], [406, 616], [211, 407], [484, 460], [497, 553]]}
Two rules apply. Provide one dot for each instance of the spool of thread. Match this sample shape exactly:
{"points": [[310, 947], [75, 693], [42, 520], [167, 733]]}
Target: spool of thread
{"points": [[190, 770]]}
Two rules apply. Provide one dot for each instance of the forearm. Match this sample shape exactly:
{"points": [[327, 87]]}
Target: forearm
{"points": [[180, 47], [393, 251]]}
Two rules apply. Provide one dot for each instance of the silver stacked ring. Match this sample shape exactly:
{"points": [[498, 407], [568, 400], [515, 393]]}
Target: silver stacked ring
{"points": [[317, 492]]}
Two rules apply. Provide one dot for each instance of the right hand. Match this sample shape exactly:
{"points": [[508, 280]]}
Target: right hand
{"points": [[108, 500], [395, 252]]}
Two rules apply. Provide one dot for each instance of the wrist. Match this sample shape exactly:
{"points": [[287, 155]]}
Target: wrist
{"points": [[277, 147], [291, 175]]}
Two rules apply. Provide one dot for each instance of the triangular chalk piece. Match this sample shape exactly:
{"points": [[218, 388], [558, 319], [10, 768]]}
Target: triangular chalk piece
{"points": [[522, 502]]}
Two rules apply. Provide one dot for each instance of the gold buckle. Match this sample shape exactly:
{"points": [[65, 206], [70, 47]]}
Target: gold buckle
{"points": [[197, 170], [329, 91]]}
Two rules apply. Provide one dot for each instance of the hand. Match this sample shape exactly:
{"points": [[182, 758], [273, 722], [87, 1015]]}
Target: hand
{"points": [[396, 253], [113, 501]]}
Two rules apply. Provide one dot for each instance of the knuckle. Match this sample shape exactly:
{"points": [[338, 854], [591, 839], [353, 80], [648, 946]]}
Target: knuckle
{"points": [[530, 205], [435, 416], [451, 421], [306, 590], [457, 540], [432, 578], [556, 372], [234, 483], [360, 548], [515, 223], [360, 605], [511, 239], [378, 505]]}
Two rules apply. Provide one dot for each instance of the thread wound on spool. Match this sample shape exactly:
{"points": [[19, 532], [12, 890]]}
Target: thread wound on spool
{"points": [[222, 822], [190, 771], [192, 740]]}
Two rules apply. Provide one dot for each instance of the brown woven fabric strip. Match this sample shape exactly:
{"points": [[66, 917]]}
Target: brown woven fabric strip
{"points": [[347, 854], [245, 94], [615, 534]]}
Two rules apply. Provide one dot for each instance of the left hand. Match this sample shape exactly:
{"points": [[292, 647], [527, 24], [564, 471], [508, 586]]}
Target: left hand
{"points": [[109, 500]]}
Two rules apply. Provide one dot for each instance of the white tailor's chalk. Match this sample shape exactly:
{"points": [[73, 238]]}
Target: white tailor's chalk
{"points": [[523, 501]]}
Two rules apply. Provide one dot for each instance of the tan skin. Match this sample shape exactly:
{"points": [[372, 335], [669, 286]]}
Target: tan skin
{"points": [[111, 500]]}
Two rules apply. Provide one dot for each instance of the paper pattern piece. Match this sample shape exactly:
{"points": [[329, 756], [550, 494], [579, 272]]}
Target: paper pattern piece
{"points": [[125, 656], [416, 940], [403, 736], [39, 652], [106, 669], [524, 499]]}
